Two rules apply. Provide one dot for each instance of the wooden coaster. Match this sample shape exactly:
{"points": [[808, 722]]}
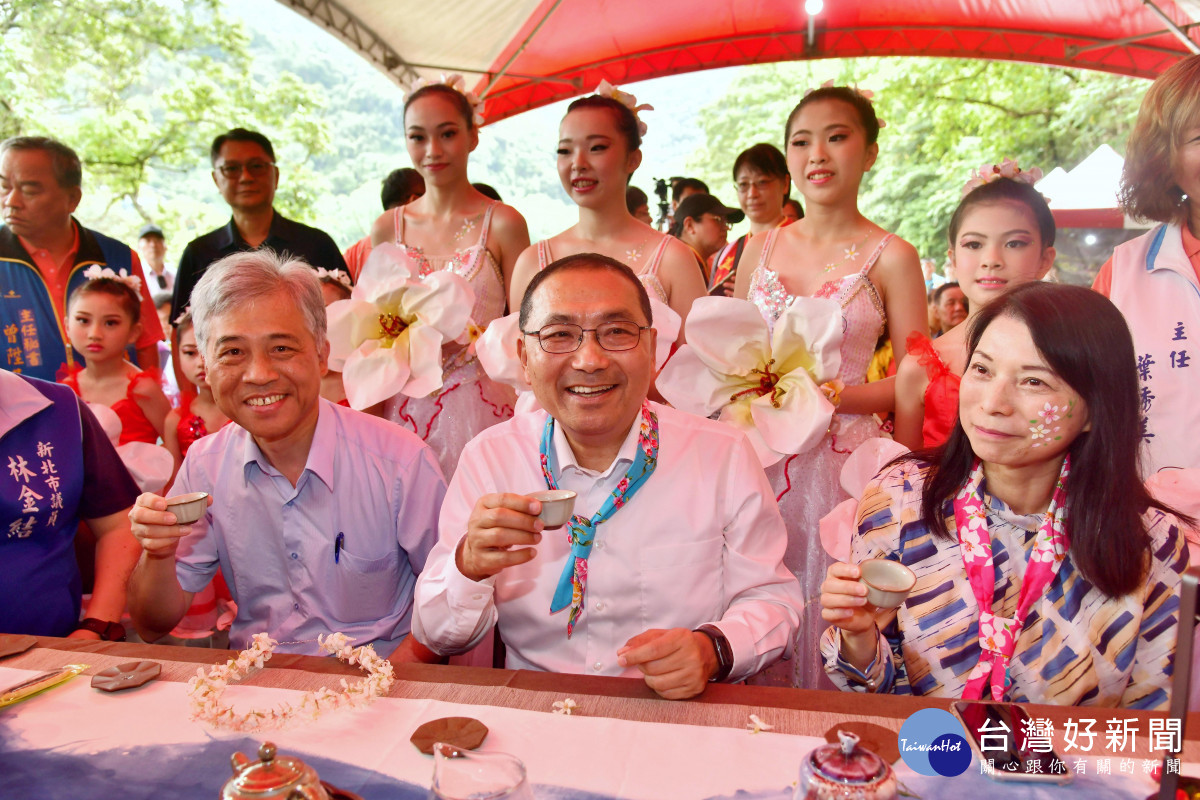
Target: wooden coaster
{"points": [[883, 742], [126, 676], [13, 643], [461, 732]]}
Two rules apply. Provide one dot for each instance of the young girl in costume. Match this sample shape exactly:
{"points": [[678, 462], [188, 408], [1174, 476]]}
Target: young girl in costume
{"points": [[453, 227], [834, 252], [1155, 279], [335, 285], [599, 148], [197, 415], [1001, 236], [103, 320]]}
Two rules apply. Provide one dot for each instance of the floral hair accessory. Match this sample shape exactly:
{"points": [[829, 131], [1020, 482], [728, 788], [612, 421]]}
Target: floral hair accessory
{"points": [[336, 275], [96, 272], [1005, 169], [606, 89], [459, 84], [206, 688], [866, 93]]}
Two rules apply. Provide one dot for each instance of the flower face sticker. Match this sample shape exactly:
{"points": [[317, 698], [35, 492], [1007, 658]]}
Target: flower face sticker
{"points": [[1043, 429]]}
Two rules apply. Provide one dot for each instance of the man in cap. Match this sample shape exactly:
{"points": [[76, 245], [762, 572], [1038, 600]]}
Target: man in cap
{"points": [[702, 223], [152, 247]]}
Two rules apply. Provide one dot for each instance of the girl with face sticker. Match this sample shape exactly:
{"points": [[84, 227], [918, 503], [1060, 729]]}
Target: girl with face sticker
{"points": [[1155, 279], [453, 227], [1001, 236], [834, 253], [1045, 572], [599, 147]]}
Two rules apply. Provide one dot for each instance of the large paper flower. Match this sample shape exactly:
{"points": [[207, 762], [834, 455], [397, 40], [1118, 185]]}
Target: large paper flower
{"points": [[387, 338], [765, 383], [497, 350]]}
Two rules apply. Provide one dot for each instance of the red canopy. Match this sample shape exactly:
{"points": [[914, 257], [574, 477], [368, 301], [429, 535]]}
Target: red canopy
{"points": [[533, 52]]}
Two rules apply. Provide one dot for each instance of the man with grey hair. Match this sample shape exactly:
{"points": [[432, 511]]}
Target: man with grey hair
{"points": [[320, 517], [43, 250]]}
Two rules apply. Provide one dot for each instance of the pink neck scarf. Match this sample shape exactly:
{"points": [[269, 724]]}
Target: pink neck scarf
{"points": [[998, 635]]}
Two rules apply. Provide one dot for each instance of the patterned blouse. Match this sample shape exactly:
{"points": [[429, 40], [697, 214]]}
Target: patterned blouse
{"points": [[1078, 646]]}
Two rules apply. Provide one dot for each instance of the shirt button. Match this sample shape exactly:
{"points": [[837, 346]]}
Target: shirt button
{"points": [[295, 556], [599, 606], [599, 545], [597, 666], [476, 597], [296, 606]]}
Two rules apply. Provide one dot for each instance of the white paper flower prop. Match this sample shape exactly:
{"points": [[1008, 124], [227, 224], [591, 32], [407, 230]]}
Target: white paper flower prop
{"points": [[766, 384], [387, 338]]}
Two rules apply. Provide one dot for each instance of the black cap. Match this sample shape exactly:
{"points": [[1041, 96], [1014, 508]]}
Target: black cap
{"points": [[151, 230], [695, 206]]}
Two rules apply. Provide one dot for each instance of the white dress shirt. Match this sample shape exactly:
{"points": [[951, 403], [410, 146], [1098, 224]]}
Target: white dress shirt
{"points": [[700, 542]]}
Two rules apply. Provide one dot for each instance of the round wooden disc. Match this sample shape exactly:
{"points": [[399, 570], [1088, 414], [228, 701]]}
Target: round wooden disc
{"points": [[126, 676], [462, 732]]}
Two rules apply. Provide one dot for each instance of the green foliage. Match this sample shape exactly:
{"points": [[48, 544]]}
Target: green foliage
{"points": [[139, 88], [944, 117]]}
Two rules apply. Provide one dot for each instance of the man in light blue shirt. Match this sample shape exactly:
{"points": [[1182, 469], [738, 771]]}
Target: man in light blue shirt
{"points": [[320, 517]]}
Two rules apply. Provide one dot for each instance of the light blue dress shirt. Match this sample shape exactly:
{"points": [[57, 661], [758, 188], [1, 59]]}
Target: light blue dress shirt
{"points": [[374, 483]]}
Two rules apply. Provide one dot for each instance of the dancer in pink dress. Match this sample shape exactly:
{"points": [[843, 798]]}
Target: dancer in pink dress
{"points": [[453, 227], [836, 253]]}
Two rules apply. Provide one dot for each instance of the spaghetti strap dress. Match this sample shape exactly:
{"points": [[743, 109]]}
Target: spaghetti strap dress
{"points": [[807, 485], [648, 276], [469, 401]]}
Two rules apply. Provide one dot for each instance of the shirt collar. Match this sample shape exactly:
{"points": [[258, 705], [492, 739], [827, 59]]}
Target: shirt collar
{"points": [[625, 456], [1191, 245], [21, 401], [231, 236], [320, 452]]}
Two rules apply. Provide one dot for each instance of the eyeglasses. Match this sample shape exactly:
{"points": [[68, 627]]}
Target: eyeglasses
{"points": [[256, 169], [565, 337], [743, 187], [722, 221]]}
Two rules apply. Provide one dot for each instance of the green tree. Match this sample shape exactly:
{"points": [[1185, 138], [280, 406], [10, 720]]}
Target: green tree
{"points": [[139, 88], [944, 118]]}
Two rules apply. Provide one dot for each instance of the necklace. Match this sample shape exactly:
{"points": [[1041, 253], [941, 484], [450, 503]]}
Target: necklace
{"points": [[206, 689], [850, 254]]}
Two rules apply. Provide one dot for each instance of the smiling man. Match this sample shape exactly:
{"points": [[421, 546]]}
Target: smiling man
{"points": [[246, 175], [320, 516], [671, 569]]}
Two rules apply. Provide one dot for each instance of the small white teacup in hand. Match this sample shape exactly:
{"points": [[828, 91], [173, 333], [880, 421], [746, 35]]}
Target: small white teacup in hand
{"points": [[188, 508], [557, 505], [888, 582]]}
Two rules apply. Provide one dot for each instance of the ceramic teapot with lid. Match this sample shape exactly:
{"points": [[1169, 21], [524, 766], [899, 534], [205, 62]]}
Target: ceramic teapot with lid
{"points": [[272, 778], [845, 771]]}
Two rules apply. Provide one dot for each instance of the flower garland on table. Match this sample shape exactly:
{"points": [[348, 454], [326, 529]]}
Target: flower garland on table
{"points": [[97, 272], [1007, 168], [206, 688]]}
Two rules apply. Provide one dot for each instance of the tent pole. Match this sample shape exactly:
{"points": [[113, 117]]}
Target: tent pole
{"points": [[504, 70], [1179, 34]]}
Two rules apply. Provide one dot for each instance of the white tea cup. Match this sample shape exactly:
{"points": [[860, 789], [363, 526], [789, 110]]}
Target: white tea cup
{"points": [[888, 582], [188, 508], [557, 505]]}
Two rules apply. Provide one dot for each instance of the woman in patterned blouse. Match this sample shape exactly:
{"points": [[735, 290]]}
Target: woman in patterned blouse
{"points": [[1033, 513]]}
